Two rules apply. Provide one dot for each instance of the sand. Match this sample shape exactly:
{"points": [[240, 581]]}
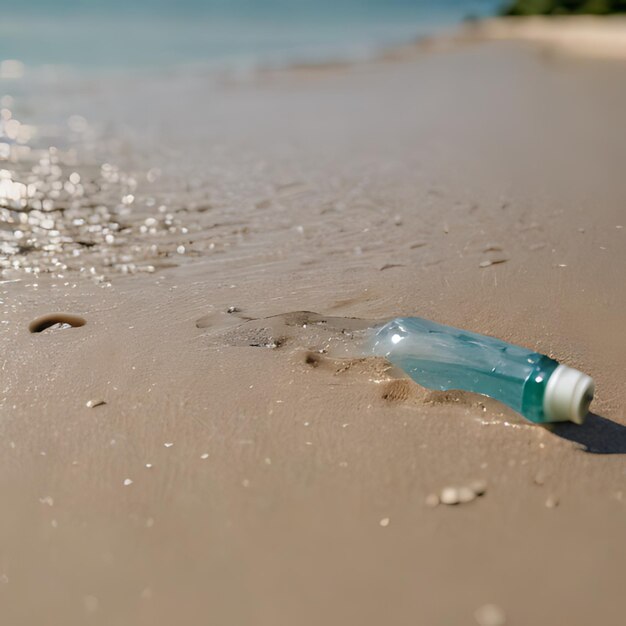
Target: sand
{"points": [[582, 36], [170, 461]]}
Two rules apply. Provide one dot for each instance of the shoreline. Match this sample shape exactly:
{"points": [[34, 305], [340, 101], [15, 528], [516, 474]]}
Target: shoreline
{"points": [[600, 37], [581, 36]]}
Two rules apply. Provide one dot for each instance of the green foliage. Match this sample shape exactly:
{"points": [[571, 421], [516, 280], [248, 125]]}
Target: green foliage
{"points": [[565, 7]]}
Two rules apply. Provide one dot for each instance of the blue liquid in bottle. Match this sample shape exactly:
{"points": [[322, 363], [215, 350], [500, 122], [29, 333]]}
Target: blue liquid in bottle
{"points": [[442, 357]]}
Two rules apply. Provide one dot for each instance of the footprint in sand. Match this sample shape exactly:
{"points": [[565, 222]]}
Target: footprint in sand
{"points": [[55, 321], [398, 390], [304, 329]]}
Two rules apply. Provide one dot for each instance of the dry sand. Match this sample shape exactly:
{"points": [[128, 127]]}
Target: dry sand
{"points": [[583, 36], [235, 475]]}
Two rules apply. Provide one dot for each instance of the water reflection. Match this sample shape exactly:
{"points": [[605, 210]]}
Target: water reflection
{"points": [[60, 213]]}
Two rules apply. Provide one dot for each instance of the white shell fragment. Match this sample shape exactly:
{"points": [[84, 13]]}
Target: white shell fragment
{"points": [[458, 494], [449, 495]]}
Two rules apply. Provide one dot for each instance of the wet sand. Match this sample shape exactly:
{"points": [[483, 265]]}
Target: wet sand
{"points": [[232, 469]]}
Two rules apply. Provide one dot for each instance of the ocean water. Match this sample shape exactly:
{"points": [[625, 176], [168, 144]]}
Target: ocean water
{"points": [[120, 34]]}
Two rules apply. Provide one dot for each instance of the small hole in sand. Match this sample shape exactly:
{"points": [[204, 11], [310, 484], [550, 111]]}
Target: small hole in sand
{"points": [[312, 359], [56, 320]]}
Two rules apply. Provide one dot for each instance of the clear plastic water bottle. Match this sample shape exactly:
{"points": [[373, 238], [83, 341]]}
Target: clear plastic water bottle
{"points": [[442, 357]]}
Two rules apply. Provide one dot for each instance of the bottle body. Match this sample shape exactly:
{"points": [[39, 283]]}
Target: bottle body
{"points": [[442, 357]]}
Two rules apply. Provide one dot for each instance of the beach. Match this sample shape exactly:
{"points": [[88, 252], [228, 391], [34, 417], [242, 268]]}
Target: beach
{"points": [[583, 36], [201, 451]]}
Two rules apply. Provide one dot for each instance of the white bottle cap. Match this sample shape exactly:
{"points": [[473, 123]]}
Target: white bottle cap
{"points": [[568, 395]]}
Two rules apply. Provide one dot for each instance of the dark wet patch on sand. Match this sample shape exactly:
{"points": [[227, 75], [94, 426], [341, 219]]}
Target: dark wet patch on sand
{"points": [[304, 329]]}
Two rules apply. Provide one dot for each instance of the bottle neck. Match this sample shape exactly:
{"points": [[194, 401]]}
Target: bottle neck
{"points": [[535, 389]]}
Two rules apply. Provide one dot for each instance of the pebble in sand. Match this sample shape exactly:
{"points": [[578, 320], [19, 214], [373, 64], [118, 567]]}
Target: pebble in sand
{"points": [[459, 494]]}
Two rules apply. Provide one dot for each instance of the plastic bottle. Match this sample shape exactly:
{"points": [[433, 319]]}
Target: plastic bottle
{"points": [[442, 357]]}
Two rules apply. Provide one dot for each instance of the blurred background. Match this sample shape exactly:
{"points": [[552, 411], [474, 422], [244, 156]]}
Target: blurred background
{"points": [[155, 33]]}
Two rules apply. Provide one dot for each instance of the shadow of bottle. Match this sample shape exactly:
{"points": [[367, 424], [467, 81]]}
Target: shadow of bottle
{"points": [[598, 435]]}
